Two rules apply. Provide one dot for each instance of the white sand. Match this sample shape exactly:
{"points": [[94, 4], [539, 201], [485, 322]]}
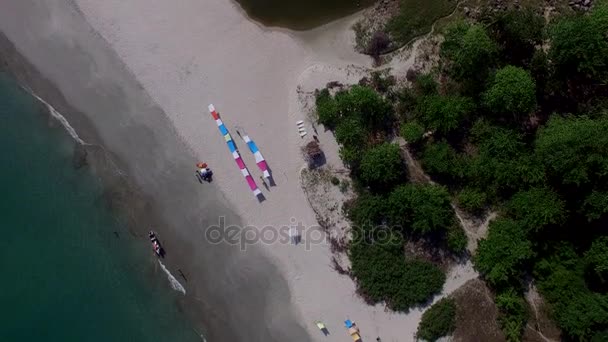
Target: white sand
{"points": [[190, 53]]}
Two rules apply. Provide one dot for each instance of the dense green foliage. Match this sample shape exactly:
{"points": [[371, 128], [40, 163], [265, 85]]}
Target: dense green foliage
{"points": [[416, 18], [513, 314], [468, 52], [384, 274], [512, 92], [518, 113], [502, 256], [382, 166], [443, 113], [438, 321], [420, 208], [412, 132], [472, 200]]}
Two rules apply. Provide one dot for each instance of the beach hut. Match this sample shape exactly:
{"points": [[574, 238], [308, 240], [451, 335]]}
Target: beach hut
{"points": [[313, 155]]}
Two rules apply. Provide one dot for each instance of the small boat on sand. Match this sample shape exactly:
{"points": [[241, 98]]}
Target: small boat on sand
{"points": [[158, 249]]}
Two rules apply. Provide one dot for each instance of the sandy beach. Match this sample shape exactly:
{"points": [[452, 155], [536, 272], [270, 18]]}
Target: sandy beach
{"points": [[138, 76]]}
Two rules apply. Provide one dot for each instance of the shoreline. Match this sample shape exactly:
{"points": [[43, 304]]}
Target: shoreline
{"points": [[165, 78]]}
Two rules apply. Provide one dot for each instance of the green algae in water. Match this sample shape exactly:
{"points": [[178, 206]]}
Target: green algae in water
{"points": [[65, 275]]}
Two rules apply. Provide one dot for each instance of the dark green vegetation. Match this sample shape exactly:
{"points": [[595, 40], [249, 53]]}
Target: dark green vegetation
{"points": [[518, 112], [300, 15], [416, 17], [389, 209], [438, 321]]}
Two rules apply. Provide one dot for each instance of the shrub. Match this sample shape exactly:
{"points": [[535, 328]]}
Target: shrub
{"points": [[472, 200], [502, 255], [513, 314], [537, 208], [456, 239], [378, 44], [512, 91], [335, 180], [423, 208], [327, 109], [444, 113], [383, 274], [412, 132], [438, 321], [351, 133], [382, 167], [440, 160], [425, 85]]}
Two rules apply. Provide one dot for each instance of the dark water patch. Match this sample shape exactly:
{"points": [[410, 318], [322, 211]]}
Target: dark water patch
{"points": [[66, 277], [300, 14]]}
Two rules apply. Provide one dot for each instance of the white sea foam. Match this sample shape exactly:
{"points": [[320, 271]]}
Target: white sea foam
{"points": [[174, 283], [59, 118]]}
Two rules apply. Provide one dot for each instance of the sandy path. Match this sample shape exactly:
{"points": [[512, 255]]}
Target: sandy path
{"points": [[190, 53]]}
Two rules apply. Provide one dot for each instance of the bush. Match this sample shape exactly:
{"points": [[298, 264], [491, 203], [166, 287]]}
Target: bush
{"points": [[502, 255], [537, 208], [378, 44], [512, 92], [444, 113], [513, 314], [327, 109], [367, 209], [335, 180], [412, 132], [351, 133], [456, 239], [470, 52], [382, 167], [383, 274], [438, 321], [440, 160], [420, 207], [472, 200], [425, 85]]}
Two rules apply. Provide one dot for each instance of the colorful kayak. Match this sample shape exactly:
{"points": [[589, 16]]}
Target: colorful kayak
{"points": [[259, 158], [235, 153]]}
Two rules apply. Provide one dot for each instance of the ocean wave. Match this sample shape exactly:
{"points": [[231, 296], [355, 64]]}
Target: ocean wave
{"points": [[71, 131], [174, 283]]}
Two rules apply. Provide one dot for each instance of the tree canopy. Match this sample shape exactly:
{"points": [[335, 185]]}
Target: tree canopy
{"points": [[502, 255], [438, 321], [512, 91], [421, 208], [537, 208], [444, 113], [382, 166]]}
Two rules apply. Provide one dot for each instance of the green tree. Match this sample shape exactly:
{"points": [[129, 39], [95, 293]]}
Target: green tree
{"points": [[456, 239], [367, 105], [425, 85], [596, 205], [596, 258], [440, 160], [574, 149], [327, 109], [444, 113], [513, 314], [470, 52], [519, 32], [502, 255], [512, 92], [579, 44], [537, 208], [472, 200], [438, 321], [367, 209], [382, 166], [412, 132], [503, 162], [422, 208], [384, 274], [351, 133]]}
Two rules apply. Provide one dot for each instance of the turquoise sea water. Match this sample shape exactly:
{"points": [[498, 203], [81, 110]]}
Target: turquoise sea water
{"points": [[66, 276]]}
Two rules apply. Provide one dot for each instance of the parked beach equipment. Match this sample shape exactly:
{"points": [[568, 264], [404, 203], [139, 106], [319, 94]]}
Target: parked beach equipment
{"points": [[235, 153]]}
